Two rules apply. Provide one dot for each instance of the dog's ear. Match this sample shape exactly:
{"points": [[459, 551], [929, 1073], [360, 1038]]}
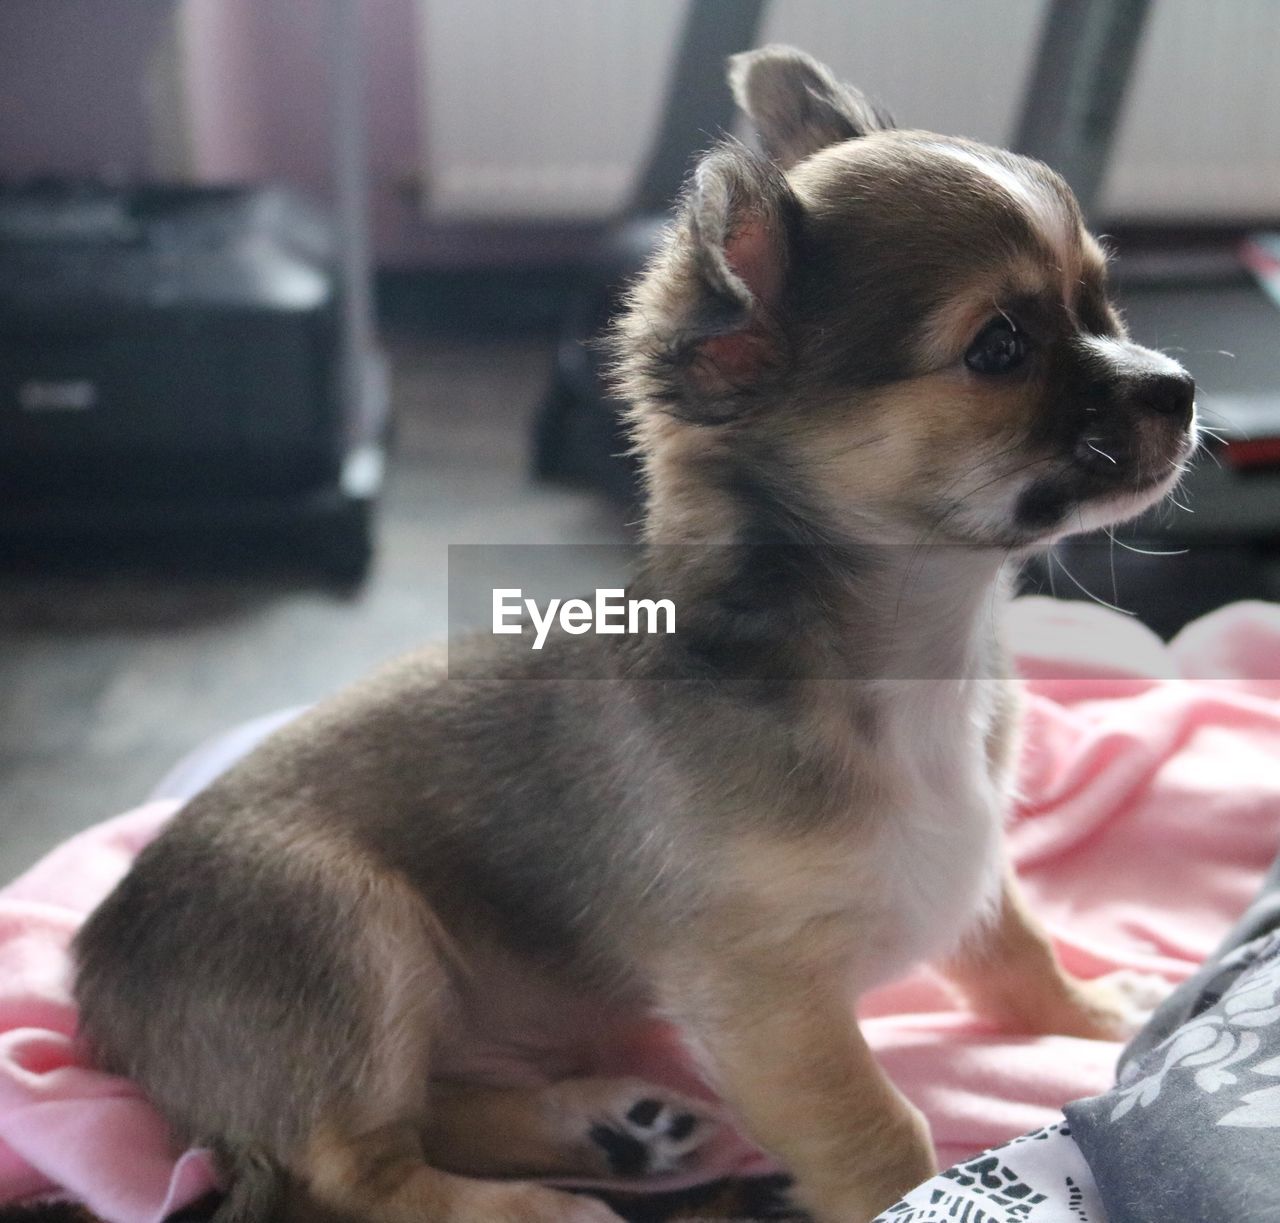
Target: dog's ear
{"points": [[734, 234], [704, 332], [796, 104]]}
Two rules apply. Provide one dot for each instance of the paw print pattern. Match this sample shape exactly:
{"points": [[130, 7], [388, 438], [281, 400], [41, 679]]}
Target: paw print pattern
{"points": [[654, 1135]]}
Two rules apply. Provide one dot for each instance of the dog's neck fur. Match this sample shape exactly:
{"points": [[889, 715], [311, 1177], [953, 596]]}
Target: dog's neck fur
{"points": [[775, 592]]}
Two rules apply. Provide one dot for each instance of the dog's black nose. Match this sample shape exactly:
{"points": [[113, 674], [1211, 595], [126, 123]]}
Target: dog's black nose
{"points": [[1168, 394]]}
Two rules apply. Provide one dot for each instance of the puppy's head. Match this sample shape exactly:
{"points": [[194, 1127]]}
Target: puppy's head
{"points": [[894, 332]]}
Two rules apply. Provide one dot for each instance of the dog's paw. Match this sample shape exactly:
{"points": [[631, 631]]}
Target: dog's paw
{"points": [[649, 1131], [1139, 993], [1121, 1002]]}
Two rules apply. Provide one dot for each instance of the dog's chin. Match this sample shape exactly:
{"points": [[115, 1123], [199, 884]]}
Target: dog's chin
{"points": [[1121, 507], [1076, 496], [1077, 500]]}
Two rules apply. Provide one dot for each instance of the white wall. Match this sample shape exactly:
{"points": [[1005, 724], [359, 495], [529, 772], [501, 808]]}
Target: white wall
{"points": [[1201, 133], [540, 108], [543, 108]]}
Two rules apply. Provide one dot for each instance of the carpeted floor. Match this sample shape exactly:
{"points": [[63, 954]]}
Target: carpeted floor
{"points": [[106, 681]]}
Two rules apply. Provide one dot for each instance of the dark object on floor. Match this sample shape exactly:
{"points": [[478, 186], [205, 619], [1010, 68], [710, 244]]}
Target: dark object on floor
{"points": [[172, 366], [579, 438]]}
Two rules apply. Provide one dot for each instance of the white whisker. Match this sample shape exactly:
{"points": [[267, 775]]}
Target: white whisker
{"points": [[1145, 551], [1084, 590]]}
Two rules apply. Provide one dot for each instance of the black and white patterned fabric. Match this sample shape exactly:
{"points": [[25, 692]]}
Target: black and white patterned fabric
{"points": [[1038, 1178], [1189, 1134]]}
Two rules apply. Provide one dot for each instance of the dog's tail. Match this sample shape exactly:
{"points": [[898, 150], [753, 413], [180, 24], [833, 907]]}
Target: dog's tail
{"points": [[256, 1187]]}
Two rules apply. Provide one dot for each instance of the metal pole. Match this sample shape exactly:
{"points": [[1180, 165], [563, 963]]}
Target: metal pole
{"points": [[1077, 86], [698, 102], [351, 210]]}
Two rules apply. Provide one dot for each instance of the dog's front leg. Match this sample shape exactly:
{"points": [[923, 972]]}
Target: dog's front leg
{"points": [[789, 1059], [1009, 971]]}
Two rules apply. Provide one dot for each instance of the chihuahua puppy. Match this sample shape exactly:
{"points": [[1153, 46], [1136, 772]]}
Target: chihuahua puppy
{"points": [[869, 370]]}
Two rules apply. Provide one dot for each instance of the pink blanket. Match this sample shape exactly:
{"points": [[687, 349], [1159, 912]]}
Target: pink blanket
{"points": [[1150, 807]]}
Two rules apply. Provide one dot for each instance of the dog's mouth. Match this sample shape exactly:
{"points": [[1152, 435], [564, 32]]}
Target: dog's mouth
{"points": [[1104, 480], [1132, 463], [1117, 438]]}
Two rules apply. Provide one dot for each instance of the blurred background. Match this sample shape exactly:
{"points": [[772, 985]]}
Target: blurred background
{"points": [[293, 296]]}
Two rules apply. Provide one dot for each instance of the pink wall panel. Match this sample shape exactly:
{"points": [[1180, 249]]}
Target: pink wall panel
{"points": [[73, 97], [73, 85]]}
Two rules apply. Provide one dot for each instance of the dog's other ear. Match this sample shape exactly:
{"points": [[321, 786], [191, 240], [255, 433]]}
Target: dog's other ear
{"points": [[797, 106]]}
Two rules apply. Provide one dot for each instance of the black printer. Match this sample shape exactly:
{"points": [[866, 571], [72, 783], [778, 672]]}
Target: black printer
{"points": [[173, 365]]}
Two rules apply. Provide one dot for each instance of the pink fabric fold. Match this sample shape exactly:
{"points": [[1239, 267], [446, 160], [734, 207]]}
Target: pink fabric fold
{"points": [[67, 1129], [1149, 809]]}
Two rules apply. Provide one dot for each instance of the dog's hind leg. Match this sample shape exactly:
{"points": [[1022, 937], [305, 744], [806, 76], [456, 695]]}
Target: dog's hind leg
{"points": [[381, 1176], [577, 1127]]}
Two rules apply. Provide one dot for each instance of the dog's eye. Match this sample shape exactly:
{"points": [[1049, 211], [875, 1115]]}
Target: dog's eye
{"points": [[999, 348]]}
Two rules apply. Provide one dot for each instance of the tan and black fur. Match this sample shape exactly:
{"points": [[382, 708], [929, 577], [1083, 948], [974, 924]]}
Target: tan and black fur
{"points": [[368, 964]]}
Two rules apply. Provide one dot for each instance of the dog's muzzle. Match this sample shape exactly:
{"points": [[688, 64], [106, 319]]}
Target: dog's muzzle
{"points": [[1135, 413], [1119, 429]]}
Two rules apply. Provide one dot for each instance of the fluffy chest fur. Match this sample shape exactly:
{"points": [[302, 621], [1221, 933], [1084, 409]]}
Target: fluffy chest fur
{"points": [[911, 863], [926, 803], [934, 855]]}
